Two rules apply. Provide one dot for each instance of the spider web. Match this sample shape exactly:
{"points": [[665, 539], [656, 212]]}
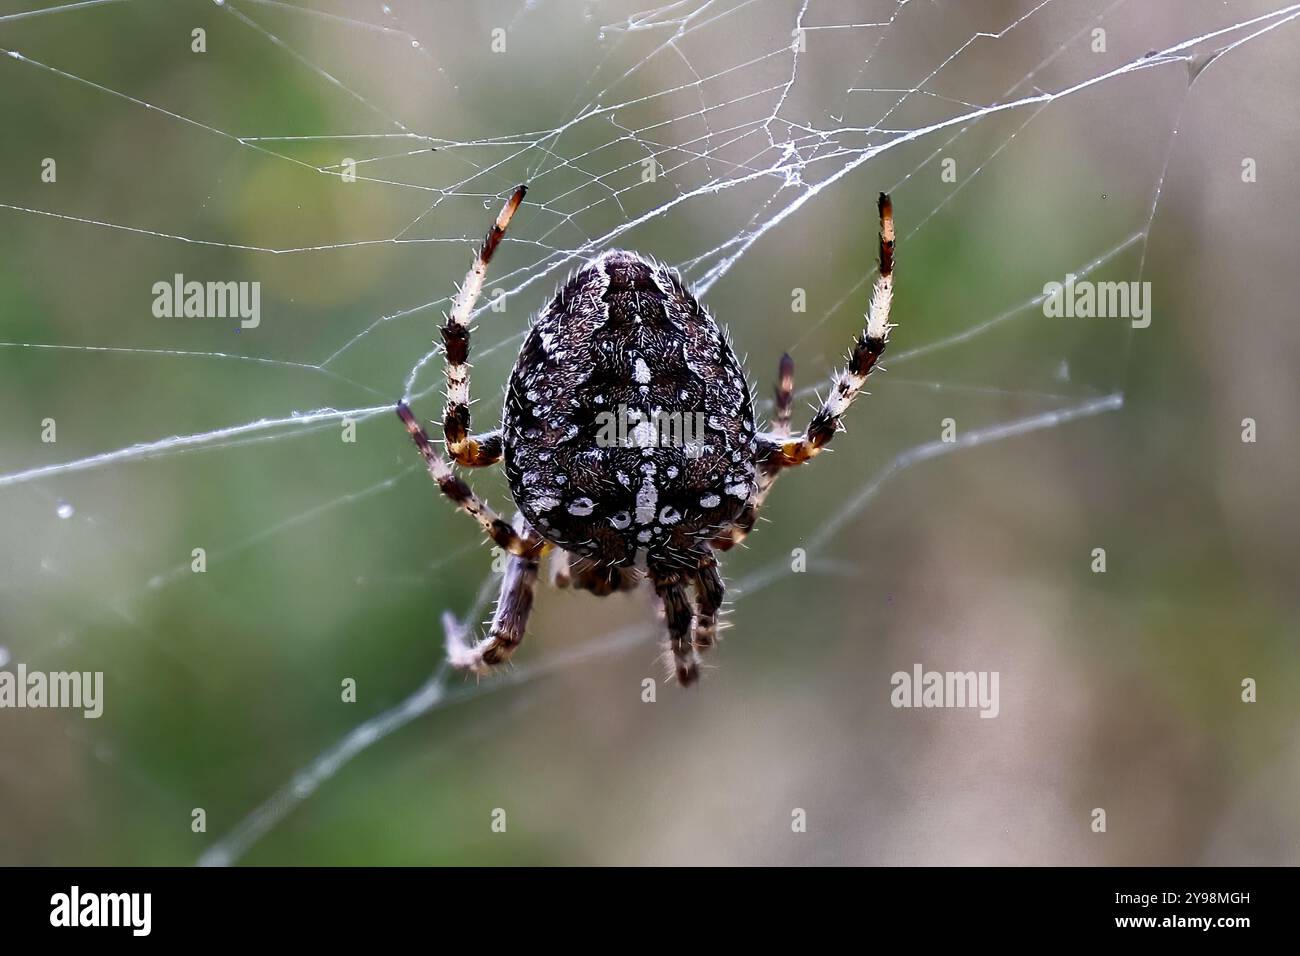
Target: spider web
{"points": [[346, 157]]}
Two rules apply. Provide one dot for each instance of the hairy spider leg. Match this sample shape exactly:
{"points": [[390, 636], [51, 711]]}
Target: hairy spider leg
{"points": [[676, 607], [471, 451], [509, 621], [454, 487], [777, 449], [861, 361]]}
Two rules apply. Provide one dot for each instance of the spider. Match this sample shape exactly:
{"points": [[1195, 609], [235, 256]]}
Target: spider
{"points": [[624, 336]]}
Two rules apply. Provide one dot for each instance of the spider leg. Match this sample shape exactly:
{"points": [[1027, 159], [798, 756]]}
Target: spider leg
{"points": [[784, 396], [477, 451], [509, 621], [862, 359], [455, 488], [671, 591], [777, 449], [709, 591], [472, 451]]}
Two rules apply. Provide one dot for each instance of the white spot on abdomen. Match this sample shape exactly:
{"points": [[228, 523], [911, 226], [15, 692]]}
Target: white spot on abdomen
{"points": [[647, 497]]}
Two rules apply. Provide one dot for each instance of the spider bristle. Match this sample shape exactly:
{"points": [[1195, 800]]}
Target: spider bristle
{"points": [[669, 664]]}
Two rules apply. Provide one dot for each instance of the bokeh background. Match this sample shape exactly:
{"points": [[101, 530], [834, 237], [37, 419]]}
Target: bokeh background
{"points": [[330, 560]]}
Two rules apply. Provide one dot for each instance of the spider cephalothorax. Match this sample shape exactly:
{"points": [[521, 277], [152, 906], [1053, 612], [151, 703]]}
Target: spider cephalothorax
{"points": [[629, 441]]}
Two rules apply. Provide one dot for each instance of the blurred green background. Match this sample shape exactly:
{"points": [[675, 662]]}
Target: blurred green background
{"points": [[330, 560]]}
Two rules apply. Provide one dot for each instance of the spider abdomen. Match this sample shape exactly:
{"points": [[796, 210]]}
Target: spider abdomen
{"points": [[628, 424]]}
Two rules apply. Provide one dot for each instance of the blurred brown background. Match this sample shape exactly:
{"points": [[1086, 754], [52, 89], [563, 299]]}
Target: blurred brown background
{"points": [[329, 560]]}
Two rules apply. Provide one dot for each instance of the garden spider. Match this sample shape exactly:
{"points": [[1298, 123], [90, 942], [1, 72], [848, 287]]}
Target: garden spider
{"points": [[625, 337]]}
